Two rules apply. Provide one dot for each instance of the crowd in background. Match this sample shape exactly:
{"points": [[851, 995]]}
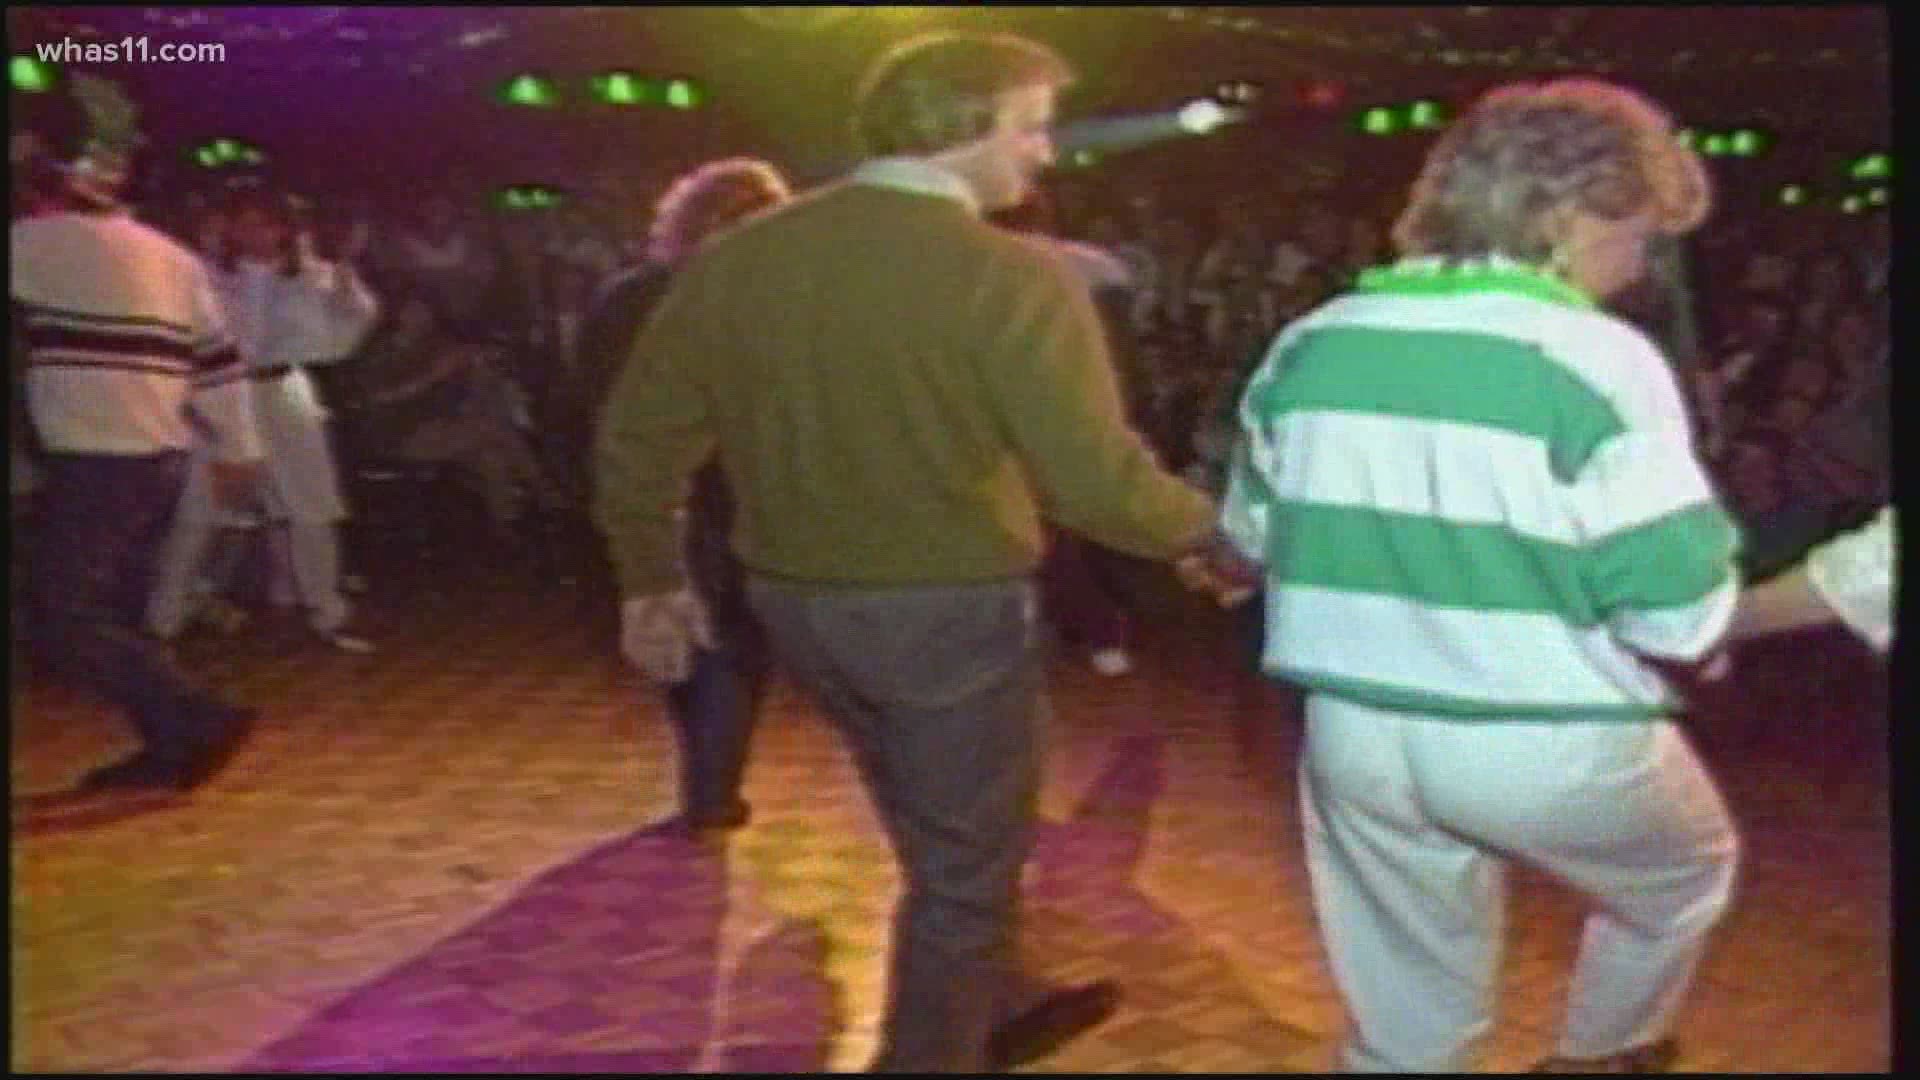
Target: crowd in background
{"points": [[472, 366]]}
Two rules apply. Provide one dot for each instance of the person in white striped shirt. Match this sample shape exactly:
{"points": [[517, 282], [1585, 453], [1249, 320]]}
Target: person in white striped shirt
{"points": [[1485, 533], [123, 336]]}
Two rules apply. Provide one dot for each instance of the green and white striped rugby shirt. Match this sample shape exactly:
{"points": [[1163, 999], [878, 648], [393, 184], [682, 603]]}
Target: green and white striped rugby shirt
{"points": [[1476, 496]]}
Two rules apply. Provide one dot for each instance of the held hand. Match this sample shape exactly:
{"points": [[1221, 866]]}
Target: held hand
{"points": [[659, 633], [1215, 567], [236, 484]]}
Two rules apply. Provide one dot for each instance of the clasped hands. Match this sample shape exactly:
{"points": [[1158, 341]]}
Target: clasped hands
{"points": [[659, 633], [1214, 566]]}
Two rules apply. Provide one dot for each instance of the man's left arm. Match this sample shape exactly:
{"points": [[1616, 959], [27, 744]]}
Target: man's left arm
{"points": [[1052, 383]]}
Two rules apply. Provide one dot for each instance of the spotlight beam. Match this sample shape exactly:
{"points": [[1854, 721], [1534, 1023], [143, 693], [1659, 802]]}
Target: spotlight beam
{"points": [[1112, 134]]}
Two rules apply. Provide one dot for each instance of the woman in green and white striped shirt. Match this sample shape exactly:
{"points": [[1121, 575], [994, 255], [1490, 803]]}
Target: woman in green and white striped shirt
{"points": [[1485, 533]]}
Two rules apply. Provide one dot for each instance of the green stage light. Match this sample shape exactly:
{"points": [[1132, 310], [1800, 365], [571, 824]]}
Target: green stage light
{"points": [[29, 75], [1879, 196], [684, 94], [218, 153], [1716, 145], [1746, 143], [528, 197], [1427, 115], [1688, 137], [1793, 195], [530, 91], [1379, 120], [1872, 167], [618, 88]]}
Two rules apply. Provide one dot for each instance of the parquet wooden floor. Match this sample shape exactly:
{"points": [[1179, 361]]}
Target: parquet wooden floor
{"points": [[437, 858]]}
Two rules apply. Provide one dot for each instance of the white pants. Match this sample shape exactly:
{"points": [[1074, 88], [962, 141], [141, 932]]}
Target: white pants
{"points": [[1407, 820], [301, 497]]}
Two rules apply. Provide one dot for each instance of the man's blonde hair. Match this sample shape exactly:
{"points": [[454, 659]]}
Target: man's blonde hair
{"points": [[939, 90], [1526, 150]]}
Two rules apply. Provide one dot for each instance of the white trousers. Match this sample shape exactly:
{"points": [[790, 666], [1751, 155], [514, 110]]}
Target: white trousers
{"points": [[301, 497], [1407, 821]]}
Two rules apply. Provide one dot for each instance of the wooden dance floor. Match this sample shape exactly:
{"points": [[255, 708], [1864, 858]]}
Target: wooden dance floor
{"points": [[438, 859]]}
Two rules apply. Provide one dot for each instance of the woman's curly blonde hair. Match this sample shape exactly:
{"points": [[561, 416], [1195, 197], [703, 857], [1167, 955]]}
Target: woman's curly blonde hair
{"points": [[708, 199], [1526, 150]]}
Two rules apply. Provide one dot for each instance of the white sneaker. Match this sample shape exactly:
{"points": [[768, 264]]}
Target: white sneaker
{"points": [[345, 642], [1112, 662]]}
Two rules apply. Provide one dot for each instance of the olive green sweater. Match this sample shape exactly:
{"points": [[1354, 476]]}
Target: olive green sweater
{"points": [[897, 391]]}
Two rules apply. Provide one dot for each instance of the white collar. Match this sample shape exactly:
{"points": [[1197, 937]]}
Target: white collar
{"points": [[917, 176]]}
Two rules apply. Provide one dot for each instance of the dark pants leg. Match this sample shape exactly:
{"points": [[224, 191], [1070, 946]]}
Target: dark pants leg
{"points": [[1082, 607], [714, 713], [102, 520], [940, 694]]}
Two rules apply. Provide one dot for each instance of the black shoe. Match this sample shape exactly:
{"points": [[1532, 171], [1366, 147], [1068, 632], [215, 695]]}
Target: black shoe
{"points": [[144, 770], [730, 817], [223, 729], [1058, 1018]]}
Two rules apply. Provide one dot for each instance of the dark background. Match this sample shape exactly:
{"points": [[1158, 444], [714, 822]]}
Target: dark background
{"points": [[402, 96]]}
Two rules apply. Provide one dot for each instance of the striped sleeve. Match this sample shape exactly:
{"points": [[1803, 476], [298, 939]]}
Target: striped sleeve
{"points": [[1246, 511], [1658, 548], [221, 394]]}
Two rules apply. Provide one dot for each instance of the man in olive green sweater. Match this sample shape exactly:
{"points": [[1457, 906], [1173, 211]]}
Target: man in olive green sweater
{"points": [[898, 392]]}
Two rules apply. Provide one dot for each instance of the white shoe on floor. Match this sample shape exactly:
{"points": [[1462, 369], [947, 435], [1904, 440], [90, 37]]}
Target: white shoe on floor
{"points": [[346, 642], [1111, 662]]}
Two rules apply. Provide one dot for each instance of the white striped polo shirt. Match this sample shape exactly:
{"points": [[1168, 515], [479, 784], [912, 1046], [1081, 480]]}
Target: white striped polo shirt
{"points": [[123, 332]]}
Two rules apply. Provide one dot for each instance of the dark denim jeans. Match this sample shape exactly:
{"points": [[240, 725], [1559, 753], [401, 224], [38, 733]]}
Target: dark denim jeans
{"points": [[715, 711], [100, 520]]}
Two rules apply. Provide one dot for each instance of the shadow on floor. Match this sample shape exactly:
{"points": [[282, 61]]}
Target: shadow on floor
{"points": [[1087, 911], [48, 812], [609, 963]]}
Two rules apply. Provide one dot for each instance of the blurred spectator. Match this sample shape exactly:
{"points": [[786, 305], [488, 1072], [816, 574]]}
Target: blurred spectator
{"points": [[427, 395], [445, 254]]}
